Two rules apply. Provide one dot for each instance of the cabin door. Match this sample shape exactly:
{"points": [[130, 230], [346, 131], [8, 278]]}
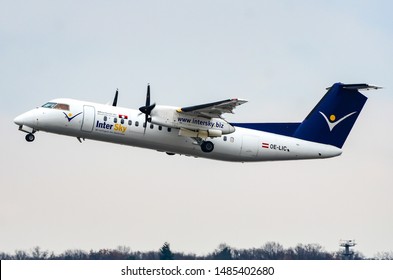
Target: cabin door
{"points": [[250, 146], [89, 113]]}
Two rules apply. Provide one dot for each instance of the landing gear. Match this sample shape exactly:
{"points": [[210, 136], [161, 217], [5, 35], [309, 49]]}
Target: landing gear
{"points": [[30, 137], [207, 146]]}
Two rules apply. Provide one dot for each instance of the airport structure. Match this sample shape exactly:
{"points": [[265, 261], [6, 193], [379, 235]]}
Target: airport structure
{"points": [[347, 244]]}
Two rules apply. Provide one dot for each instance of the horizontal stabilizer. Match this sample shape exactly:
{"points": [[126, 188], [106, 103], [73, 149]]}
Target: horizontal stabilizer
{"points": [[358, 86]]}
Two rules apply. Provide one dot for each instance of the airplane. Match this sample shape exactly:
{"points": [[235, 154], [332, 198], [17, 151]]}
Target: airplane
{"points": [[201, 131]]}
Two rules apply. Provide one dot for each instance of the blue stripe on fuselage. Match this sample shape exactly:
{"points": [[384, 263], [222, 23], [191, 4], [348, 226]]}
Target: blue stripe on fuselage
{"points": [[286, 129]]}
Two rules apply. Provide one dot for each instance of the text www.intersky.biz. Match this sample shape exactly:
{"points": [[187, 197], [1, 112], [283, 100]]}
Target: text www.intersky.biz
{"points": [[176, 271]]}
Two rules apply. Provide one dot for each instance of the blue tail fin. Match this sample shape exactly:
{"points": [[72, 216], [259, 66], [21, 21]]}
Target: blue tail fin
{"points": [[334, 116]]}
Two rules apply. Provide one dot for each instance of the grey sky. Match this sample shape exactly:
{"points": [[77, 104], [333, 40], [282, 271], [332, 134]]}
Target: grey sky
{"points": [[59, 194]]}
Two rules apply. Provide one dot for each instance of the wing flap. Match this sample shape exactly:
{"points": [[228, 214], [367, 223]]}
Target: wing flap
{"points": [[214, 109]]}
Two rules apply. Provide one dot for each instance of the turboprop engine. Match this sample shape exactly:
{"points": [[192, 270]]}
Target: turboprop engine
{"points": [[199, 122], [190, 125]]}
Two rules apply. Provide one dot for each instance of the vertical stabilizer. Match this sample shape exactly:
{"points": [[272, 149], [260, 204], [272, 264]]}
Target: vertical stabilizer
{"points": [[332, 119]]}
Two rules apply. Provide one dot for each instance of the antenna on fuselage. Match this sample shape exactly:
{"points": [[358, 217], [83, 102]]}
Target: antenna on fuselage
{"points": [[114, 104]]}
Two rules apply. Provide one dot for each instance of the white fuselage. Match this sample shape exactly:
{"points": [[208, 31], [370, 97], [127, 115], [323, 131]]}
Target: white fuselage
{"points": [[87, 120]]}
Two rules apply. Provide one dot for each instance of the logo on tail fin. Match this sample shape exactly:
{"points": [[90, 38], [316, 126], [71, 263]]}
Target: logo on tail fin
{"points": [[332, 122]]}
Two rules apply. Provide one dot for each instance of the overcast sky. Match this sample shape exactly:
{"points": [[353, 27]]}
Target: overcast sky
{"points": [[280, 55]]}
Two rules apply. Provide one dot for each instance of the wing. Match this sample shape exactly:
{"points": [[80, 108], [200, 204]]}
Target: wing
{"points": [[213, 110]]}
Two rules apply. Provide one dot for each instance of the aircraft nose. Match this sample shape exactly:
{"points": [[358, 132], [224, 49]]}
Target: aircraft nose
{"points": [[28, 119], [19, 120]]}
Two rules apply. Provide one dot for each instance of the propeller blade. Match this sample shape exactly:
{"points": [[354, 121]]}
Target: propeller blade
{"points": [[151, 107], [114, 104], [147, 108], [148, 96], [143, 109]]}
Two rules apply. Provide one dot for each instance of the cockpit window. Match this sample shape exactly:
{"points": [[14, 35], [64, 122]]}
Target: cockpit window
{"points": [[49, 105], [59, 106]]}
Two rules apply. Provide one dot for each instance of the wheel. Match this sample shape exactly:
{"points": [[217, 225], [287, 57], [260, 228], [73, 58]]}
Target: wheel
{"points": [[207, 146], [30, 137]]}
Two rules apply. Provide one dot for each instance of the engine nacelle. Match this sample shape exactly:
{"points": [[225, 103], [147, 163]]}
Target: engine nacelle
{"points": [[192, 122], [214, 133], [206, 127], [163, 115]]}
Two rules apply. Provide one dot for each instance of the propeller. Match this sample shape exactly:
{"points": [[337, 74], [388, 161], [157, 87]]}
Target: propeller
{"points": [[147, 108], [114, 104]]}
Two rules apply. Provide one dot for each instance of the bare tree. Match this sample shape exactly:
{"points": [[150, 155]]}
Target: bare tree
{"points": [[38, 254], [311, 252], [21, 255], [74, 255], [5, 256], [273, 251], [384, 256]]}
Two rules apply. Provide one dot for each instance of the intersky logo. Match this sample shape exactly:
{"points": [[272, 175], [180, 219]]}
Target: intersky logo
{"points": [[332, 122], [70, 117]]}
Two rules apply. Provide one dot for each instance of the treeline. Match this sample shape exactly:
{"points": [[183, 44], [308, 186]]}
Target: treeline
{"points": [[269, 251]]}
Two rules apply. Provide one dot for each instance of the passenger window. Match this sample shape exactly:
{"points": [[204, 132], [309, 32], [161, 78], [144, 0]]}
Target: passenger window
{"points": [[122, 121], [151, 126], [105, 118], [136, 123], [225, 138], [169, 129], [159, 127], [130, 122], [232, 139], [115, 120]]}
